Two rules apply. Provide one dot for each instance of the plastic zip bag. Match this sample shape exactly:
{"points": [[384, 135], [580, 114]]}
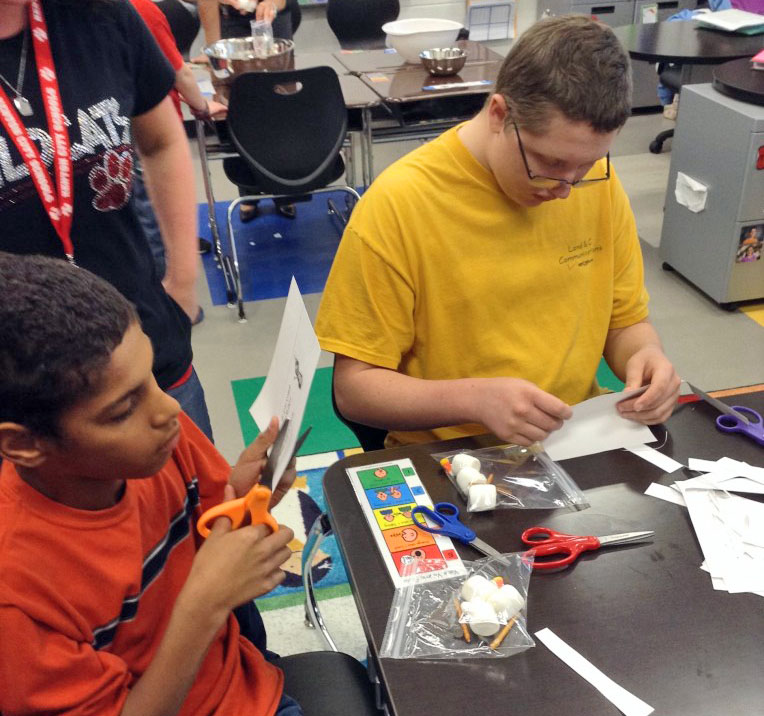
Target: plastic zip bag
{"points": [[429, 620], [510, 476]]}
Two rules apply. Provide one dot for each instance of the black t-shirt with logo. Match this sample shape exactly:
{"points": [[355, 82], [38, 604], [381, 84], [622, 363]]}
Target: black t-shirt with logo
{"points": [[109, 69]]}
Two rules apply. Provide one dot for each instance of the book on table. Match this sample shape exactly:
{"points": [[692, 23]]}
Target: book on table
{"points": [[741, 21]]}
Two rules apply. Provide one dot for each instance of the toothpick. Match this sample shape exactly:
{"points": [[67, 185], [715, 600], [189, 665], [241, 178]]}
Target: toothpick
{"points": [[464, 627], [496, 643], [489, 480]]}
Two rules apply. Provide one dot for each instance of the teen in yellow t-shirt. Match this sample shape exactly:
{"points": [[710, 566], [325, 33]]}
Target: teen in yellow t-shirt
{"points": [[464, 297]]}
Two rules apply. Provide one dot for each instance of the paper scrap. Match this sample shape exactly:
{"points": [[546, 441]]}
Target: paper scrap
{"points": [[596, 426], [701, 465], [690, 192], [623, 700], [663, 492], [286, 387], [664, 462]]}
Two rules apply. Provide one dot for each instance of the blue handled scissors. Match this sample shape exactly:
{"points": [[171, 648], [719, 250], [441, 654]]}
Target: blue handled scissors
{"points": [[445, 517], [735, 419]]}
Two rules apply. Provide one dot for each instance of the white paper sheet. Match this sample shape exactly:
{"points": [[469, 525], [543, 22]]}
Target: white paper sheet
{"points": [[729, 533], [664, 462], [596, 426], [662, 492], [286, 387], [623, 700]]}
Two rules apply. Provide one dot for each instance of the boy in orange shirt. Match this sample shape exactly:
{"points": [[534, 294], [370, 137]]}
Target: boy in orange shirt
{"points": [[110, 602]]}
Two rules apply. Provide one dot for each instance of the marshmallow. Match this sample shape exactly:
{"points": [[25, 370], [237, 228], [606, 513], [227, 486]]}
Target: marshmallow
{"points": [[469, 476], [463, 460], [246, 5], [481, 617], [481, 497], [477, 587], [507, 600]]}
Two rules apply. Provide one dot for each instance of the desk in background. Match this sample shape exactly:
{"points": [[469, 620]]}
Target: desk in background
{"points": [[414, 112], [685, 43], [645, 614]]}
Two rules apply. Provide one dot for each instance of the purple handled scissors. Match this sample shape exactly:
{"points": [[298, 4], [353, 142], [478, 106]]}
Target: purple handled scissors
{"points": [[735, 419]]}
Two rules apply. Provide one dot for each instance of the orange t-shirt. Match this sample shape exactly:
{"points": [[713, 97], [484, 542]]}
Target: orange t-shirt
{"points": [[85, 596]]}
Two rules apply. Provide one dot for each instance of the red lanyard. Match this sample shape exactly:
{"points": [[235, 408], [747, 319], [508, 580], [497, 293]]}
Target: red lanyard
{"points": [[57, 204]]}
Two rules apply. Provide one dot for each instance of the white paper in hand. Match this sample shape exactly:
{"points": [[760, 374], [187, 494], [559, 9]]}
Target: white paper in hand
{"points": [[286, 387], [597, 426]]}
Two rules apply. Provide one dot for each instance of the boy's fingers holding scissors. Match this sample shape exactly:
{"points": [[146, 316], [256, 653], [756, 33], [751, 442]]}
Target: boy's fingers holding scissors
{"points": [[286, 481], [252, 460]]}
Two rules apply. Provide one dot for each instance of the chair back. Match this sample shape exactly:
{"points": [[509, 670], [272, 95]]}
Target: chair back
{"points": [[183, 24], [288, 127], [358, 23]]}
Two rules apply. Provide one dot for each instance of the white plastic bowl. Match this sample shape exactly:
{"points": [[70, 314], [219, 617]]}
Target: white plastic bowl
{"points": [[410, 37]]}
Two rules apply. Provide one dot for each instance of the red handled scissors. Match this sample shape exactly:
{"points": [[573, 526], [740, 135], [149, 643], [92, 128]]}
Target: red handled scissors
{"points": [[256, 501], [545, 542]]}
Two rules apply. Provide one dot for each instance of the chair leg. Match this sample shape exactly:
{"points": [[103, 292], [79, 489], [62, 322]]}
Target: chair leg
{"points": [[351, 197], [235, 269], [320, 529], [656, 146]]}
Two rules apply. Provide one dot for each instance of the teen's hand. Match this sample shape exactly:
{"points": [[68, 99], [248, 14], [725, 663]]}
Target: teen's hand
{"points": [[518, 411], [184, 295], [649, 366]]}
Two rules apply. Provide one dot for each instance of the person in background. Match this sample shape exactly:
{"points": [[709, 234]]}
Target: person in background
{"points": [[77, 94], [232, 18], [482, 277], [186, 89]]}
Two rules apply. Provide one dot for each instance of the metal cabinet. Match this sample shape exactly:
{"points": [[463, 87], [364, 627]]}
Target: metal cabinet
{"points": [[721, 248]]}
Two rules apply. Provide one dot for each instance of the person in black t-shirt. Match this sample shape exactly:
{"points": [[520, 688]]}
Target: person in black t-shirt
{"points": [[113, 83]]}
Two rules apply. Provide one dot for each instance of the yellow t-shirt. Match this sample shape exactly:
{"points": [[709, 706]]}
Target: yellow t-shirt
{"points": [[440, 276]]}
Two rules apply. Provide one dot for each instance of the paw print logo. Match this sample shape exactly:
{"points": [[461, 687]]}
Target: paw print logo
{"points": [[112, 180]]}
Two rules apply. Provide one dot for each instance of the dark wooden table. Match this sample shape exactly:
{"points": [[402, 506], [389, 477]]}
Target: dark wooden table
{"points": [[685, 42], [645, 614], [739, 80]]}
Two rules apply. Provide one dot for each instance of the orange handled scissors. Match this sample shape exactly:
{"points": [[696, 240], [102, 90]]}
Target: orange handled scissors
{"points": [[256, 501]]}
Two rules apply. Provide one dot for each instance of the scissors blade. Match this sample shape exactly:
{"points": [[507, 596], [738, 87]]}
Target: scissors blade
{"points": [[625, 537], [266, 479], [484, 547], [721, 407]]}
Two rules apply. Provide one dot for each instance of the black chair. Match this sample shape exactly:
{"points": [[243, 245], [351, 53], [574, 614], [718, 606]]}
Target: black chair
{"points": [[288, 129], [183, 24], [670, 75], [358, 23], [345, 688]]}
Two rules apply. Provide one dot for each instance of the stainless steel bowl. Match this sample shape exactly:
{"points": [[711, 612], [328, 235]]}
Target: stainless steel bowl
{"points": [[235, 56], [443, 60]]}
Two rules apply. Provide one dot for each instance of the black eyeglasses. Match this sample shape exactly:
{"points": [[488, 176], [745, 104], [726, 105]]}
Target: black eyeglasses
{"points": [[544, 182]]}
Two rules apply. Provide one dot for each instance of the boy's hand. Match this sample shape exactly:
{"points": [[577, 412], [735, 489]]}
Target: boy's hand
{"points": [[252, 460], [286, 481], [235, 566]]}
